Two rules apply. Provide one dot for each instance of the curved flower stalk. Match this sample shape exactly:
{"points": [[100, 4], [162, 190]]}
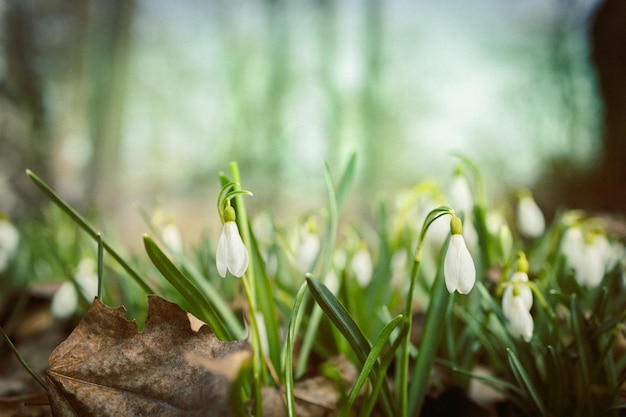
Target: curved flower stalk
{"points": [[9, 240], [232, 255], [458, 268], [530, 220], [517, 300]]}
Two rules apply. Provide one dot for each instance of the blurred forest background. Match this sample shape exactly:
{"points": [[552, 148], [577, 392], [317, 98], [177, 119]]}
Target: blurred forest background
{"points": [[146, 100]]}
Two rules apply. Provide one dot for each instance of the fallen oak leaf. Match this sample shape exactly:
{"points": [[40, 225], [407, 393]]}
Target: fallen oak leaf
{"points": [[107, 368]]}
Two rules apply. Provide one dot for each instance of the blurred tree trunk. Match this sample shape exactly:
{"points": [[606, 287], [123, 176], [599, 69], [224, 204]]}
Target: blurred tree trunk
{"points": [[110, 44], [608, 41], [604, 188]]}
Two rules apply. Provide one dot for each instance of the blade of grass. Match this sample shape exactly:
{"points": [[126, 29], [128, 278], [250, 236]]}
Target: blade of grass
{"points": [[22, 361], [324, 256], [431, 337], [202, 308], [370, 361], [524, 381], [84, 224], [351, 331], [267, 304], [292, 330], [386, 360]]}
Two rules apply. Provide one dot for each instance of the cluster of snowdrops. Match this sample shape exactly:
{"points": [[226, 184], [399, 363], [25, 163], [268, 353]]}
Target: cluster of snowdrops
{"points": [[539, 306]]}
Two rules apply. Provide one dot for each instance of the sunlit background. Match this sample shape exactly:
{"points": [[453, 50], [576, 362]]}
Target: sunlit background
{"points": [[147, 100]]}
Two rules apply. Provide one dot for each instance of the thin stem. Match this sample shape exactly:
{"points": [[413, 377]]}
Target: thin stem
{"points": [[403, 371], [250, 291], [84, 224], [21, 359]]}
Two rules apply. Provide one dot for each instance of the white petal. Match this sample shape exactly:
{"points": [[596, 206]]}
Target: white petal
{"points": [[572, 246], [530, 220], [64, 301], [9, 240], [460, 193], [307, 251], [520, 321], [236, 252], [591, 267], [221, 253], [458, 268], [362, 266], [172, 238]]}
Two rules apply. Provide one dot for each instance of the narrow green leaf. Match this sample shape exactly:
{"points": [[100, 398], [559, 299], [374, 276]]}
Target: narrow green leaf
{"points": [[431, 337], [267, 305], [350, 330], [100, 265], [292, 330], [201, 307], [581, 341], [91, 231], [22, 361], [381, 377], [370, 361], [346, 180], [522, 379]]}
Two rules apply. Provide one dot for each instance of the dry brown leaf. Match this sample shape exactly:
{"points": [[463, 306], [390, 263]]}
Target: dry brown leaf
{"points": [[107, 368]]}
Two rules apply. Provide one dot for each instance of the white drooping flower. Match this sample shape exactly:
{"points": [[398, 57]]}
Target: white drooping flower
{"points": [[588, 255], [232, 254], [362, 266], [65, 300], [458, 267], [171, 238], [517, 301], [308, 248], [523, 291], [594, 262], [460, 194], [9, 240], [530, 220], [520, 320]]}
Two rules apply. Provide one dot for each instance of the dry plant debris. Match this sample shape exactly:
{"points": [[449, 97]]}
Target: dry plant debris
{"points": [[107, 368]]}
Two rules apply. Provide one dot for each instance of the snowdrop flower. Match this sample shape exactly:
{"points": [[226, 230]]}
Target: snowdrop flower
{"points": [[518, 280], [591, 267], [362, 267], [458, 267], [171, 238], [506, 240], [572, 245], [308, 248], [461, 194], [590, 256], [65, 300], [520, 321], [530, 220], [517, 301], [232, 254], [9, 239]]}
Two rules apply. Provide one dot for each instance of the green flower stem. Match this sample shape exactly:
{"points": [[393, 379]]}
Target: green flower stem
{"points": [[403, 366], [431, 337], [100, 265], [248, 280], [84, 224]]}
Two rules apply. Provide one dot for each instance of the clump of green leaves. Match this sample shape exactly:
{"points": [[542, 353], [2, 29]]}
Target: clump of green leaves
{"points": [[312, 291]]}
